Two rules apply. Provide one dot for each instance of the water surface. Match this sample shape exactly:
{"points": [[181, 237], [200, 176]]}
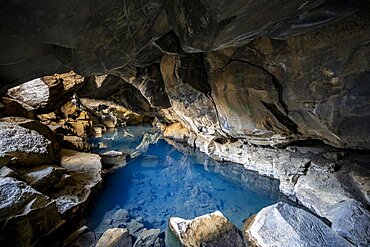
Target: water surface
{"points": [[162, 182]]}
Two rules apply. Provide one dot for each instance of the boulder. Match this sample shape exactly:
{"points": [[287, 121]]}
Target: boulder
{"points": [[27, 146], [42, 178], [83, 180], [112, 158], [177, 132], [26, 215], [48, 92], [13, 107], [31, 124], [351, 220], [284, 225], [115, 237], [206, 230], [148, 238]]}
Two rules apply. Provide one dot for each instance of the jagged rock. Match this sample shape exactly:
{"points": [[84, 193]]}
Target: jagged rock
{"points": [[134, 228], [148, 238], [150, 83], [42, 178], [34, 93], [12, 107], [86, 240], [77, 121], [320, 191], [84, 179], [177, 132], [7, 172], [206, 230], [111, 114], [351, 220], [34, 125], [22, 214], [284, 225], [48, 92], [115, 237], [27, 146], [76, 143]]}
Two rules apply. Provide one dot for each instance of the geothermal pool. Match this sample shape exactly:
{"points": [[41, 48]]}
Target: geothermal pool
{"points": [[162, 181]]}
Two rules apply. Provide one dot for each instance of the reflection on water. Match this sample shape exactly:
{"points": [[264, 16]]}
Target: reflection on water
{"points": [[163, 182]]}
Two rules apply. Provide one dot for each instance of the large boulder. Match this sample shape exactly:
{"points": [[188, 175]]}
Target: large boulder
{"points": [[27, 146], [212, 229], [26, 215], [284, 225], [83, 180], [48, 92]]}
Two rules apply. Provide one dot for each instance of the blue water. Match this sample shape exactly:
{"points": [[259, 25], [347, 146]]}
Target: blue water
{"points": [[162, 182]]}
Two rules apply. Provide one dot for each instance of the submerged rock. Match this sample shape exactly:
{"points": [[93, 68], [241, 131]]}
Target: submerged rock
{"points": [[284, 225], [115, 237], [149, 238], [207, 230]]}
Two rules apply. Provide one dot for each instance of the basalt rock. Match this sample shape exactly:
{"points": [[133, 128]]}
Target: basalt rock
{"points": [[285, 225], [26, 146]]}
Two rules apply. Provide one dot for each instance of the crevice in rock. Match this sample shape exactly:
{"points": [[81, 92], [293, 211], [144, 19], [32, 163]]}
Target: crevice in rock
{"points": [[282, 118]]}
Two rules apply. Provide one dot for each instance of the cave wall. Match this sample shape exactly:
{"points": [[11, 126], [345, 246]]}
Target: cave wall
{"points": [[266, 72]]}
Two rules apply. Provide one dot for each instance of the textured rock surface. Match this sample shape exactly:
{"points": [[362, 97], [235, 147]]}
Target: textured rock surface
{"points": [[106, 37], [285, 225], [83, 180], [115, 237], [27, 146], [23, 210], [206, 230]]}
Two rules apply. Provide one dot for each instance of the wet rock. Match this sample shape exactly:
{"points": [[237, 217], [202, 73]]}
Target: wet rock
{"points": [[7, 172], [148, 238], [113, 158], [149, 161], [207, 230], [351, 220], [22, 213], [285, 225], [134, 227], [27, 146], [84, 179], [115, 237]]}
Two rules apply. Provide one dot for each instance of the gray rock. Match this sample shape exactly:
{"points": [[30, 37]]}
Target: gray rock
{"points": [[134, 227], [26, 215], [351, 220], [27, 146], [113, 158], [115, 237], [147, 238], [42, 178], [86, 240], [206, 230], [320, 191], [284, 225], [34, 93]]}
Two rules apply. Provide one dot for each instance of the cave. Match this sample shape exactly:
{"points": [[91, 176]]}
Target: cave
{"points": [[184, 123]]}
